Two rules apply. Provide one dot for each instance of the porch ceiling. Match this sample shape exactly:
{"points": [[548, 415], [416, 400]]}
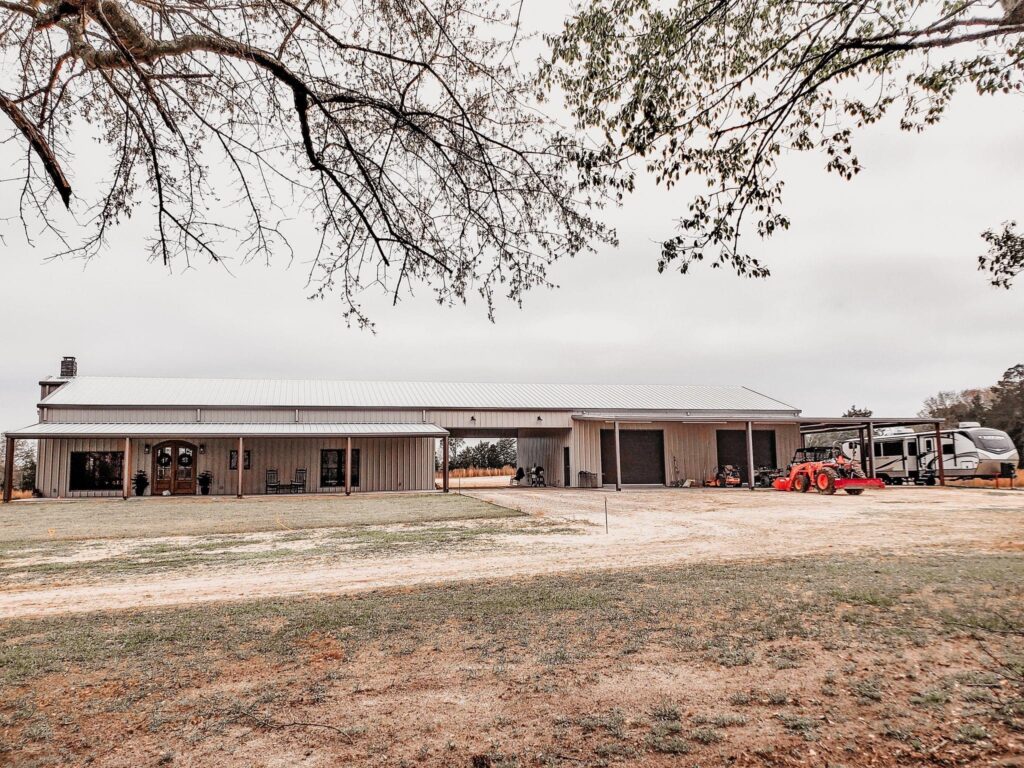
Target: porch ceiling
{"points": [[210, 430]]}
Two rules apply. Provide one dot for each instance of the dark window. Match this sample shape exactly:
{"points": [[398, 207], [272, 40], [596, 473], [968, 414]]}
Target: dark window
{"points": [[233, 460], [912, 449], [892, 448], [878, 449], [947, 449], [97, 471], [332, 468]]}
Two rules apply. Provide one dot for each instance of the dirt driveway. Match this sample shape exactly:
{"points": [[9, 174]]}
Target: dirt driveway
{"points": [[564, 531]]}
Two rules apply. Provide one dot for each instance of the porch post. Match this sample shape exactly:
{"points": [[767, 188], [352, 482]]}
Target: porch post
{"points": [[871, 448], [750, 455], [618, 460], [348, 466], [126, 470], [444, 462], [938, 454], [9, 470], [241, 463]]}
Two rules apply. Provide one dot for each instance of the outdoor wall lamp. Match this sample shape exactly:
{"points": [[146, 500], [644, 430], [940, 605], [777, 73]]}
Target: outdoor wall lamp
{"points": [[539, 419], [472, 419], [146, 449], [202, 449]]}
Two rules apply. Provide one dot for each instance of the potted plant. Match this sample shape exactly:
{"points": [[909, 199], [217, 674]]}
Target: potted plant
{"points": [[205, 480], [141, 482]]}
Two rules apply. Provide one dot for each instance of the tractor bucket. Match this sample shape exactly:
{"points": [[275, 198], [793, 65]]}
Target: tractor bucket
{"points": [[781, 484]]}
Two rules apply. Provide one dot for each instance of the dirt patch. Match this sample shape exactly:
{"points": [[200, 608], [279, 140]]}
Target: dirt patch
{"points": [[653, 527], [854, 661]]}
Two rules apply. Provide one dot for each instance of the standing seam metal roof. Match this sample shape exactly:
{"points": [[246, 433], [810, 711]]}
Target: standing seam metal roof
{"points": [[292, 393]]}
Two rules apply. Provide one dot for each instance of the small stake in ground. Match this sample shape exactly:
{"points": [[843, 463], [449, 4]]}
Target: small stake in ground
{"points": [[606, 515]]}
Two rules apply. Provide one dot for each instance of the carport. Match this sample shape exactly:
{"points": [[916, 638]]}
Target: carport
{"points": [[865, 428]]}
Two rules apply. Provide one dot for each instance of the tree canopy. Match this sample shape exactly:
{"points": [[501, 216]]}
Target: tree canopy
{"points": [[720, 89], [1000, 406], [402, 129]]}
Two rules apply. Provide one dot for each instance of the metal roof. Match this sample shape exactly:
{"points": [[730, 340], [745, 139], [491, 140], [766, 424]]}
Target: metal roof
{"points": [[255, 393], [162, 430]]}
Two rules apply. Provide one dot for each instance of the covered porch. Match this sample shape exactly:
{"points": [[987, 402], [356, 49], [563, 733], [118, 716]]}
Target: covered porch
{"points": [[82, 460]]}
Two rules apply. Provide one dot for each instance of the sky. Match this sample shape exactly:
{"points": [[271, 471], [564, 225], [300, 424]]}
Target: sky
{"points": [[874, 298]]}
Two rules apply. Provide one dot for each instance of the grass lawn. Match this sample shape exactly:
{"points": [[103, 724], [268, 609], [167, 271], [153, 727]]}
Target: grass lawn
{"points": [[855, 661], [198, 515]]}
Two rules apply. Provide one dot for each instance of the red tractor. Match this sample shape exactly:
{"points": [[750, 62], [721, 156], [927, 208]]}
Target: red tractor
{"points": [[827, 471]]}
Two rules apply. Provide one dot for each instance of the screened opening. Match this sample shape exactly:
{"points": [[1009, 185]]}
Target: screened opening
{"points": [[96, 470], [332, 468]]}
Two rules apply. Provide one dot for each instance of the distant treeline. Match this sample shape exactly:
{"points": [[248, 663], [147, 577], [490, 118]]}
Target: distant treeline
{"points": [[485, 455]]}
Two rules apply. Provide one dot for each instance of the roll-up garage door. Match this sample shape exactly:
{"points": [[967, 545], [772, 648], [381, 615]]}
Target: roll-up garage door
{"points": [[732, 448], [641, 453]]}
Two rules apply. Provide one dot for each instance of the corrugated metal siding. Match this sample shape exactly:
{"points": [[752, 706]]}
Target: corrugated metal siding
{"points": [[200, 430], [545, 450], [386, 464], [88, 390], [690, 449]]}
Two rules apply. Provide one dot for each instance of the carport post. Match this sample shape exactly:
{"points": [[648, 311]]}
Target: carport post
{"points": [[444, 462], [348, 466], [618, 460], [860, 448], [9, 470], [750, 455], [938, 454], [126, 470], [241, 462], [871, 447]]}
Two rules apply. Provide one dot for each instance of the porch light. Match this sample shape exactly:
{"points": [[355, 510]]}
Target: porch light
{"points": [[202, 449], [472, 419], [146, 449], [539, 419]]}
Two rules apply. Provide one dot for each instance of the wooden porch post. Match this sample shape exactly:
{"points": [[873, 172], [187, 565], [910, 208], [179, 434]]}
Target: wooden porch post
{"points": [[618, 460], [9, 470], [445, 447], [938, 454], [241, 463], [348, 466], [750, 455], [126, 470]]}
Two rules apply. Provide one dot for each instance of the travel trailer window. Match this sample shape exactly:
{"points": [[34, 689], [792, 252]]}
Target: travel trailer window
{"points": [[96, 470], [892, 449], [991, 440], [912, 449]]}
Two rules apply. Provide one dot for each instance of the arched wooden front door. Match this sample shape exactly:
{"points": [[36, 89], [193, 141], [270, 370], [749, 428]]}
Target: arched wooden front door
{"points": [[174, 468]]}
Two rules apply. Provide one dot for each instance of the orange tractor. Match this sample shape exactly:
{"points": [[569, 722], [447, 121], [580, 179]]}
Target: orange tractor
{"points": [[827, 471]]}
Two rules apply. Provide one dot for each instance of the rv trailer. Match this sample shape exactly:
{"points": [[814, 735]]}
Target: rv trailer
{"points": [[970, 451]]}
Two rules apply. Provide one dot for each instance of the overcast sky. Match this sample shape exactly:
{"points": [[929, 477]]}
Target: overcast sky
{"points": [[874, 297]]}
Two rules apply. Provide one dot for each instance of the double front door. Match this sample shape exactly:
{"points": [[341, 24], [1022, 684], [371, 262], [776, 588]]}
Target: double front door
{"points": [[174, 468]]}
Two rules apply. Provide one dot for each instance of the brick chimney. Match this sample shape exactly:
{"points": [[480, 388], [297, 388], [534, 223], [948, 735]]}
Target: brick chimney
{"points": [[68, 370]]}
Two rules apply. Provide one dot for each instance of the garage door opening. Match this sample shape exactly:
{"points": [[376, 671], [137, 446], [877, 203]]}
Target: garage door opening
{"points": [[641, 454], [732, 449]]}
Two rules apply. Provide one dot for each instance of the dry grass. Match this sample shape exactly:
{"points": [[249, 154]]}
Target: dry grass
{"points": [[505, 471], [997, 483], [887, 661], [149, 517]]}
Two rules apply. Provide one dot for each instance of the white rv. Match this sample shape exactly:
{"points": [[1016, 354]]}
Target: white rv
{"points": [[969, 451]]}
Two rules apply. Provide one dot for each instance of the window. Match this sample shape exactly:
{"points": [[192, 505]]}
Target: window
{"points": [[332, 468], [947, 449], [878, 449], [233, 460], [912, 449], [892, 448], [97, 471]]}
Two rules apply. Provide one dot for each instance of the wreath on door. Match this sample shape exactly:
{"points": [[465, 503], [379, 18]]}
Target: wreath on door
{"points": [[163, 460], [185, 460]]}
